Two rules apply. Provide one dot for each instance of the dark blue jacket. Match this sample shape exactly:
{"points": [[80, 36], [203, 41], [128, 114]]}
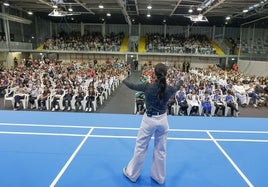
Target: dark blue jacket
{"points": [[150, 92]]}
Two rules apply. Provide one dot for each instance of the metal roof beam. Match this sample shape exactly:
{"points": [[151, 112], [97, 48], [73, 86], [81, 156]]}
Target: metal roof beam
{"points": [[174, 9], [137, 8], [45, 2], [213, 6], [124, 11], [85, 7]]}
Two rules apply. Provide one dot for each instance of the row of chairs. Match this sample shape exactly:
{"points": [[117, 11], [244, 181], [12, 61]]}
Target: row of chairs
{"points": [[10, 97], [176, 106]]}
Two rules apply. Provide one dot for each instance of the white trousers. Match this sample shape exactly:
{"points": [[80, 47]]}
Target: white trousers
{"points": [[157, 126], [242, 98]]}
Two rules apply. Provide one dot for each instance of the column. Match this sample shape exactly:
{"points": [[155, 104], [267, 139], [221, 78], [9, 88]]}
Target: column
{"points": [[82, 28], [50, 29], [223, 32], [103, 28], [129, 30], [165, 30], [139, 30], [213, 32]]}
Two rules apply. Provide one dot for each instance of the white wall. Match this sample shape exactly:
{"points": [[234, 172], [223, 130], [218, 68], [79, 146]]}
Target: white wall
{"points": [[259, 68], [203, 62]]}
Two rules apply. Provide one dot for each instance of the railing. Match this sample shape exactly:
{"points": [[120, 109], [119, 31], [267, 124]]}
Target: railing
{"points": [[181, 50], [15, 45], [223, 46]]}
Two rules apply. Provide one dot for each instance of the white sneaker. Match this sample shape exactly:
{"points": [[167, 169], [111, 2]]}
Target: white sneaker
{"points": [[53, 109], [86, 109], [69, 108], [126, 175], [90, 109], [56, 107]]}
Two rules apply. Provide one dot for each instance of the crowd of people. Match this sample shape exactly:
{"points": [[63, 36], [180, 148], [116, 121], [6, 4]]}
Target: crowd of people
{"points": [[90, 41], [95, 41], [211, 91], [52, 85], [177, 43]]}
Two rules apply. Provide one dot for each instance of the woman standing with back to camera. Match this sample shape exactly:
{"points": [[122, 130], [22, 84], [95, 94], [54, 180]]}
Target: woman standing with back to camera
{"points": [[154, 122]]}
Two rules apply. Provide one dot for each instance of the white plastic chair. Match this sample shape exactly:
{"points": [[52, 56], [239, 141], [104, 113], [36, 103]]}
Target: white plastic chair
{"points": [[9, 96], [135, 106], [24, 101], [84, 102], [47, 101], [228, 109], [60, 100], [176, 107], [190, 104]]}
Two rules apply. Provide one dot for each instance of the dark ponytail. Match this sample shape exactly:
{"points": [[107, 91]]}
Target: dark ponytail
{"points": [[160, 73]]}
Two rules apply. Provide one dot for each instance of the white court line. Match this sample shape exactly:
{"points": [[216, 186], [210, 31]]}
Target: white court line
{"points": [[221, 131], [41, 134], [126, 128], [231, 161], [66, 126], [70, 159], [130, 137], [45, 125]]}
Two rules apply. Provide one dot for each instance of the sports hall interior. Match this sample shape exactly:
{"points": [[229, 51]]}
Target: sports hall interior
{"points": [[66, 119], [85, 32]]}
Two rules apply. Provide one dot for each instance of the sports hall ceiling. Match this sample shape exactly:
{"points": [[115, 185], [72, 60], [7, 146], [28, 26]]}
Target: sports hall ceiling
{"points": [[171, 12]]}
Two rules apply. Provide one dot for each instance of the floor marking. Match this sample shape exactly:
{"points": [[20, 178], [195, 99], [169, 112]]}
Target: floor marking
{"points": [[241, 140], [231, 161], [70, 159], [130, 137], [41, 134], [44, 125], [126, 128], [67, 126], [220, 131]]}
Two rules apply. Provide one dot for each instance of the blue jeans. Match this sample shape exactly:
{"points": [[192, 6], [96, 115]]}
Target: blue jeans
{"points": [[254, 97]]}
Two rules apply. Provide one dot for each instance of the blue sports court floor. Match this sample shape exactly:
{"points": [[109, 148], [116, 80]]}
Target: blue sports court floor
{"points": [[79, 149]]}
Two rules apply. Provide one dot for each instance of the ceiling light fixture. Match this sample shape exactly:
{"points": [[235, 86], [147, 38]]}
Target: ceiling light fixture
{"points": [[108, 14], [190, 10], [101, 6], [56, 13], [30, 12], [70, 9], [255, 6], [148, 15], [149, 7], [6, 4], [198, 18], [228, 18]]}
